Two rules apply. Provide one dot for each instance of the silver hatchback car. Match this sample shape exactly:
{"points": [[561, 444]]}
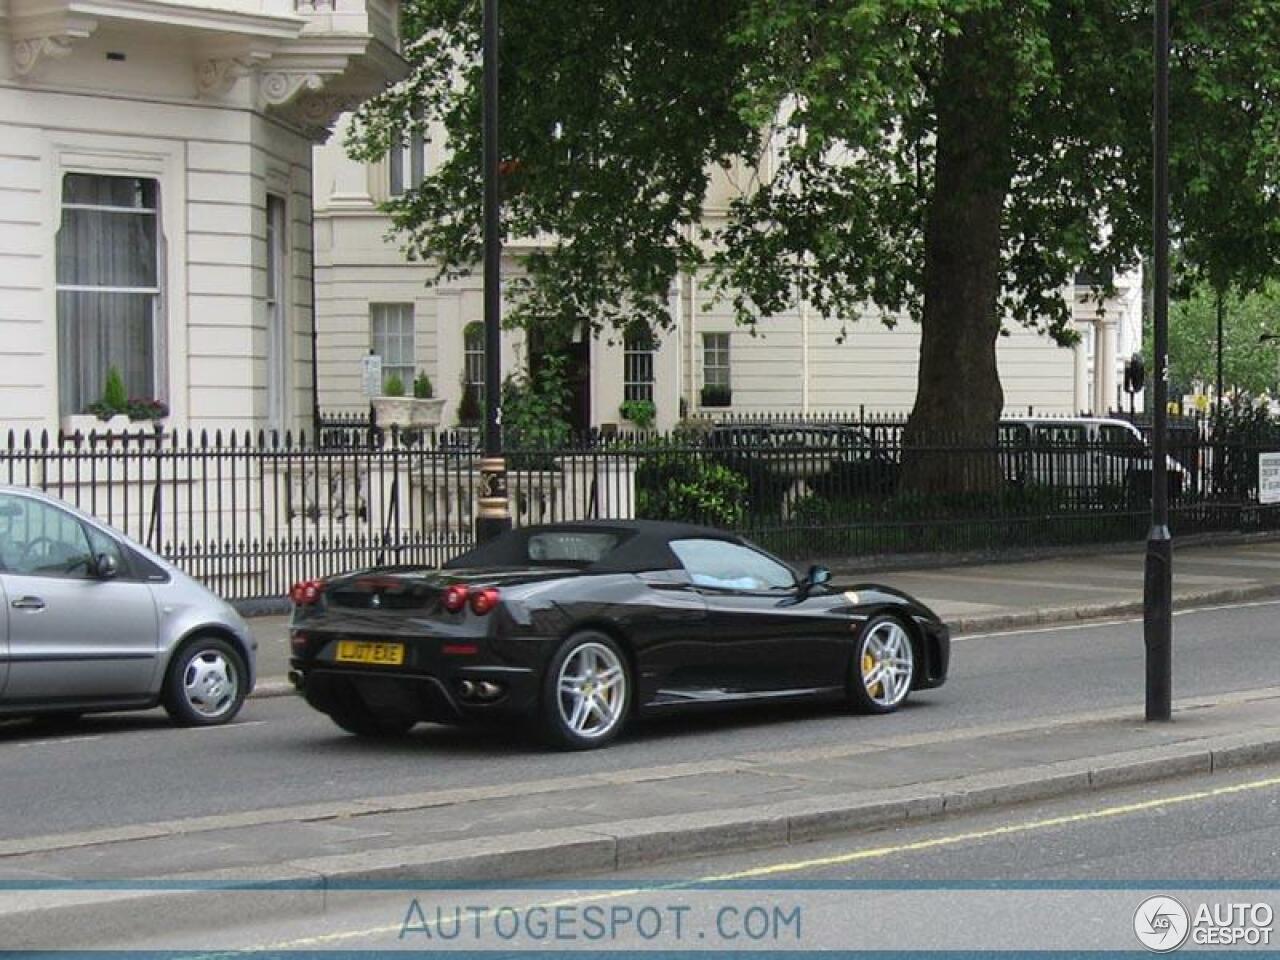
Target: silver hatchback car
{"points": [[91, 621]]}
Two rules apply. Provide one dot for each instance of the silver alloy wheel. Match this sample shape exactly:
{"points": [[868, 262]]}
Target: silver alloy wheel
{"points": [[591, 690], [210, 683], [888, 663]]}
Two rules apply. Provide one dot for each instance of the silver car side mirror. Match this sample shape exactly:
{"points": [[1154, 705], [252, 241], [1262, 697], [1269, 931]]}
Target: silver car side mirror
{"points": [[107, 566]]}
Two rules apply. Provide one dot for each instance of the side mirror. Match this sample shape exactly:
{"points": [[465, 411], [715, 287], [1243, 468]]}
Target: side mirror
{"points": [[107, 566], [817, 576]]}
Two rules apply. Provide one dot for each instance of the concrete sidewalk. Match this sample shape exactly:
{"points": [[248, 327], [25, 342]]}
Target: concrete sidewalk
{"points": [[577, 826], [979, 597]]}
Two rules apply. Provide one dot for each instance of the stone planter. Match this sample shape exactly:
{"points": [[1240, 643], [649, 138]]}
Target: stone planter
{"points": [[408, 413]]}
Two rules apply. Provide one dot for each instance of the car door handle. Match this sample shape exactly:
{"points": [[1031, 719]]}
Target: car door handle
{"points": [[28, 603]]}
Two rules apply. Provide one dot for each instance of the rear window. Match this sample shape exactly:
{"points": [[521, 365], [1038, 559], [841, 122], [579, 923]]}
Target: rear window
{"points": [[566, 546]]}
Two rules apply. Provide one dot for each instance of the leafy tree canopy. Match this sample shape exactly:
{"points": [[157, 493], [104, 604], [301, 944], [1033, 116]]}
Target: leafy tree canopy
{"points": [[1248, 366], [951, 160]]}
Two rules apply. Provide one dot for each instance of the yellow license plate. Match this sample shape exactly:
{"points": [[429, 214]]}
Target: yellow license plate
{"points": [[363, 651]]}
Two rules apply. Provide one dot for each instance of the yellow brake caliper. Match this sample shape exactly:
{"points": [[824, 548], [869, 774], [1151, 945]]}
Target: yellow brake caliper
{"points": [[869, 664]]}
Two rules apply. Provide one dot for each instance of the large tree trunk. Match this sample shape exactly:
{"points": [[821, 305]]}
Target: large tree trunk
{"points": [[959, 397]]}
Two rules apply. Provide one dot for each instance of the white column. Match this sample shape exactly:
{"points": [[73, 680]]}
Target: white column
{"points": [[1106, 375], [1080, 401]]}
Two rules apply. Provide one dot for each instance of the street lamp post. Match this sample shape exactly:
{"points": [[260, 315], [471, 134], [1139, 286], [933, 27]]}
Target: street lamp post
{"points": [[1158, 579], [493, 515]]}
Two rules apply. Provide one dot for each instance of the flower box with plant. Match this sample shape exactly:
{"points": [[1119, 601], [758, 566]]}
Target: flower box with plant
{"points": [[116, 412], [716, 395], [640, 412]]}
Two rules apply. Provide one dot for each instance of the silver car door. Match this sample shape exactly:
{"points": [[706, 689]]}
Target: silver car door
{"points": [[4, 638], [73, 636]]}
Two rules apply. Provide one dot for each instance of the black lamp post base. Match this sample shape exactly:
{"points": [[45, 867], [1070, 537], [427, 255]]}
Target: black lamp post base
{"points": [[1157, 626]]}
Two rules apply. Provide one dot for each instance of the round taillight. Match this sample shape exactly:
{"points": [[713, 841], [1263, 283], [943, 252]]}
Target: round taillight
{"points": [[482, 601], [305, 592], [455, 597]]}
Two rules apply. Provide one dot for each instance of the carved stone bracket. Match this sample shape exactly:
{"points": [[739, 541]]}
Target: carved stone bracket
{"points": [[316, 113], [277, 88], [215, 77], [29, 52]]}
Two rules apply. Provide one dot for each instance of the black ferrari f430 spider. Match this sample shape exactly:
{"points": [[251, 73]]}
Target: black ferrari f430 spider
{"points": [[584, 625]]}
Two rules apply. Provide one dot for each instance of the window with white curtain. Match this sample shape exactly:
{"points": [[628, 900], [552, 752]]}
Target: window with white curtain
{"points": [[392, 326], [637, 363], [108, 287]]}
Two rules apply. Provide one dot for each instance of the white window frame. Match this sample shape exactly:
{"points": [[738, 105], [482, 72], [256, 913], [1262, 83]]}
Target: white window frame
{"points": [[638, 349], [156, 292], [716, 360], [473, 362], [404, 336], [278, 308], [407, 162]]}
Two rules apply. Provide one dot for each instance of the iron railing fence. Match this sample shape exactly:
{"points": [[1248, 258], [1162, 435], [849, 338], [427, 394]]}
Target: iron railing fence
{"points": [[251, 514]]}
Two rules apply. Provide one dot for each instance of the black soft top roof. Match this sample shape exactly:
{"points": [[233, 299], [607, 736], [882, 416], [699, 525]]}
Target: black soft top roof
{"points": [[642, 545]]}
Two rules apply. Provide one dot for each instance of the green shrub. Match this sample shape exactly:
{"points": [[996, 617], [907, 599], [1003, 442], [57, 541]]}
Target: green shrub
{"points": [[114, 395], [677, 486], [393, 386], [534, 407], [422, 388], [639, 412]]}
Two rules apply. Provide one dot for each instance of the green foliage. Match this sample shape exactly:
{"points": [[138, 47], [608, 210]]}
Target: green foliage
{"points": [[1248, 366], [114, 396], [393, 386], [639, 412], [680, 485], [116, 400], [833, 134], [535, 407], [422, 389]]}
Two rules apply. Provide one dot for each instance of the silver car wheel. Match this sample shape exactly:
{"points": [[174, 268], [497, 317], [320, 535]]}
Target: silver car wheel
{"points": [[210, 683], [887, 664], [592, 688]]}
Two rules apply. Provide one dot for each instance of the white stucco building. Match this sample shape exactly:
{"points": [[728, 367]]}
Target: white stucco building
{"points": [[369, 298], [155, 199]]}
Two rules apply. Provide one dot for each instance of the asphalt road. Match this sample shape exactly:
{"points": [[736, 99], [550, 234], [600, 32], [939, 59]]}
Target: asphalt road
{"points": [[1092, 858], [122, 769], [1185, 831]]}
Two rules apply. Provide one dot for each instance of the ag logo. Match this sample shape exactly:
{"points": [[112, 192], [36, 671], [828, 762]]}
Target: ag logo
{"points": [[1161, 924]]}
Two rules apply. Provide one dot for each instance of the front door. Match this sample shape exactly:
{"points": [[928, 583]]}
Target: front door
{"points": [[577, 369], [73, 637]]}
